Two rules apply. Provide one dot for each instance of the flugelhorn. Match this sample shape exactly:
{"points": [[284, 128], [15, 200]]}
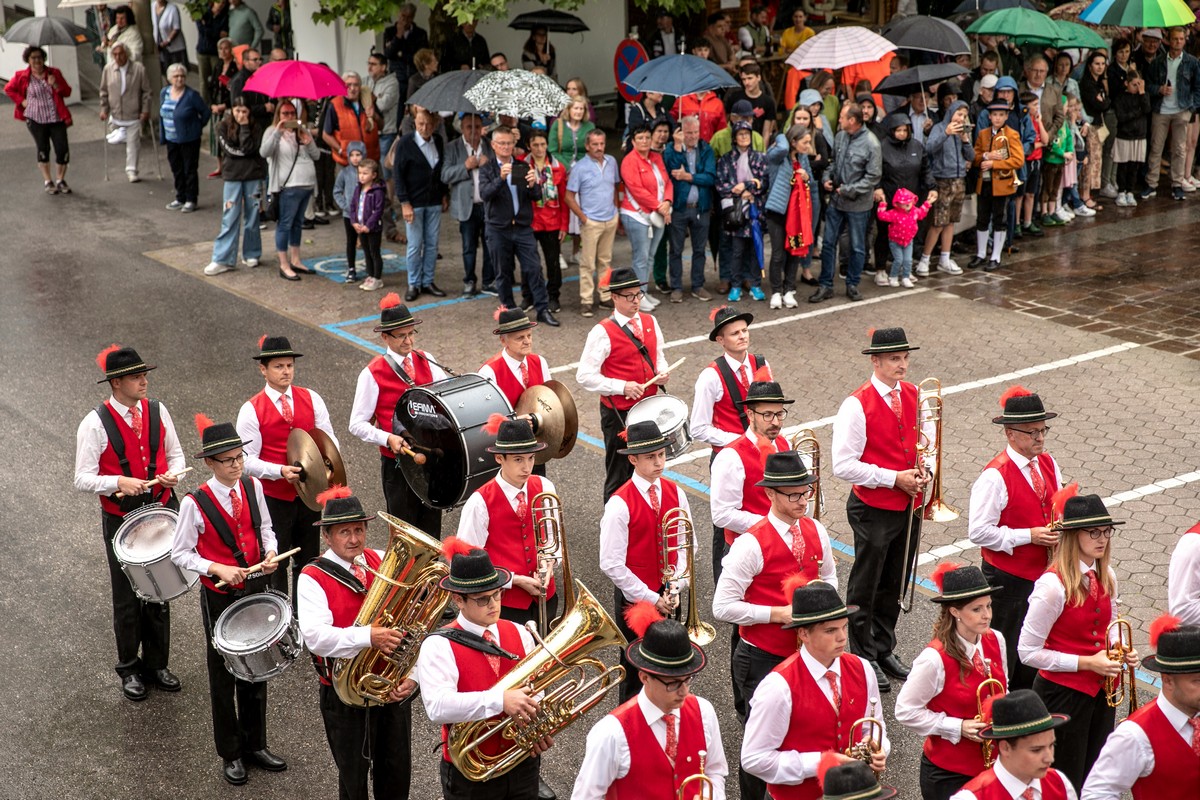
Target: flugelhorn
{"points": [[1000, 145], [551, 537], [679, 536], [805, 443], [700, 783], [869, 738], [1120, 687], [995, 689]]}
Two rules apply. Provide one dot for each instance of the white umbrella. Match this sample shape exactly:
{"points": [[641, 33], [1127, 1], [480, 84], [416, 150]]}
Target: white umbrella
{"points": [[518, 93], [835, 48]]}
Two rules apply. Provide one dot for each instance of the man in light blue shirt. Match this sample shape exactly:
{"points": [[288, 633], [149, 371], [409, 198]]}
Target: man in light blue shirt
{"points": [[592, 197]]}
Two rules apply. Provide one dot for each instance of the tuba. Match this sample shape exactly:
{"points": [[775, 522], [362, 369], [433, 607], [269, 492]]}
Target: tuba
{"points": [[551, 537], [697, 786], [404, 596], [805, 443], [557, 670], [870, 729], [994, 688], [1119, 688], [678, 534]]}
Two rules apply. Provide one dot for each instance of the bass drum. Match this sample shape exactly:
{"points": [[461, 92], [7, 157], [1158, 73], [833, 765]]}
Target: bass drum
{"points": [[258, 636], [142, 546], [445, 420]]}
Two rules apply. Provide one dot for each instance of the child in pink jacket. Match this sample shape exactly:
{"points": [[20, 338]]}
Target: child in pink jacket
{"points": [[902, 222]]}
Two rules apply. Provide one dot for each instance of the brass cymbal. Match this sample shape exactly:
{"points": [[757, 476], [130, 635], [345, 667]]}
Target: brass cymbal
{"points": [[570, 417], [557, 420], [334, 466], [302, 452]]}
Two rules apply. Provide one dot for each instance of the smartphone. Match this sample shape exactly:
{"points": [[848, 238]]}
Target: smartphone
{"points": [[519, 170], [291, 124]]}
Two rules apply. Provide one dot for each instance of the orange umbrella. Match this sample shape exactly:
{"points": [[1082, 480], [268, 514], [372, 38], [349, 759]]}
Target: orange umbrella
{"points": [[873, 71]]}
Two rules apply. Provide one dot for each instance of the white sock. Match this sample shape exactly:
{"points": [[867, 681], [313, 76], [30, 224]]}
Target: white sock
{"points": [[924, 260], [998, 244], [944, 258], [981, 240]]}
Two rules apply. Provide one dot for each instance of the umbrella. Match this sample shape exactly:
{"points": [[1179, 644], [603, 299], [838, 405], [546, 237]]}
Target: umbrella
{"points": [[915, 79], [1138, 13], [46, 31], [984, 6], [1070, 12], [678, 76], [552, 21], [1015, 22], [296, 79], [444, 93], [756, 233], [1071, 34], [930, 34], [518, 93], [834, 48]]}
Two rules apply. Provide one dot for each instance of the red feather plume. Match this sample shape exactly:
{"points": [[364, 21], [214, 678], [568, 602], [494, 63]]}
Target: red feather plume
{"points": [[453, 546], [203, 423], [939, 574], [1014, 391], [793, 582], [493, 424], [606, 278], [623, 436], [1164, 624], [988, 702], [762, 374], [870, 332], [102, 356], [500, 309], [712, 315], [333, 493], [390, 300], [261, 339], [640, 616], [829, 760], [1059, 501]]}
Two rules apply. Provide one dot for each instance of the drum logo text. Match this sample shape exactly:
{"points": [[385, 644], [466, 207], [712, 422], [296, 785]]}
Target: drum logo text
{"points": [[416, 409]]}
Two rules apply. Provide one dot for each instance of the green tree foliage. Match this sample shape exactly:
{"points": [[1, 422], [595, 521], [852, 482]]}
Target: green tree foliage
{"points": [[376, 15]]}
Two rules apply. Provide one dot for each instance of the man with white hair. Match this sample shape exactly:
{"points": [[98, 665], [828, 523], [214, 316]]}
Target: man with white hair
{"points": [[125, 104], [349, 120]]}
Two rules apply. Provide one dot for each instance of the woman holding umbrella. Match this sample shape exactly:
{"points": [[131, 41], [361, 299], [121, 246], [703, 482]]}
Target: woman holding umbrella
{"points": [[37, 93], [742, 178], [538, 52]]}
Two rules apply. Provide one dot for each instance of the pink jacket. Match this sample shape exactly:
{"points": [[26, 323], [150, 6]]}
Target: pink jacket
{"points": [[641, 187], [902, 225], [19, 85]]}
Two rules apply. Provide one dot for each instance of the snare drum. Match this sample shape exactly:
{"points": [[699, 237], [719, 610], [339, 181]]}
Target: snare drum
{"points": [[258, 636], [142, 546], [671, 415]]}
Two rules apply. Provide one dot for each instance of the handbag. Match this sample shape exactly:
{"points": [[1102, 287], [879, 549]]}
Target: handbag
{"points": [[271, 212], [737, 214]]}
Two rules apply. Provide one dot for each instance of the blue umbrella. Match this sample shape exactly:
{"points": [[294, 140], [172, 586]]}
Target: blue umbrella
{"points": [[678, 75], [756, 233]]}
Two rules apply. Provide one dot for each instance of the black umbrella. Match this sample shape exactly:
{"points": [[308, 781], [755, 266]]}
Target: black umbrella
{"points": [[915, 79], [930, 34], [444, 93], [553, 21], [984, 6], [46, 31]]}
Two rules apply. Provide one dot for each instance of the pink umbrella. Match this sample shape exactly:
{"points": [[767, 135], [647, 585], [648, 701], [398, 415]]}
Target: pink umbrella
{"points": [[296, 79]]}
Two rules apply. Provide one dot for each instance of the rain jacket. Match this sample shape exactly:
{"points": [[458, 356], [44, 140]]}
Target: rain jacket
{"points": [[949, 156]]}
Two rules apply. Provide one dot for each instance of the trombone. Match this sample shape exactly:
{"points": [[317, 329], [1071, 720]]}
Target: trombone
{"points": [[805, 443], [996, 690], [551, 537], [1121, 687], [703, 784], [870, 729], [676, 534]]}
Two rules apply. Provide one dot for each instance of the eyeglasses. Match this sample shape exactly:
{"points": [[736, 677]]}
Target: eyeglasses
{"points": [[632, 297], [796, 497], [675, 686], [771, 415], [405, 336], [483, 601], [1040, 433], [229, 462], [252, 58], [1095, 534]]}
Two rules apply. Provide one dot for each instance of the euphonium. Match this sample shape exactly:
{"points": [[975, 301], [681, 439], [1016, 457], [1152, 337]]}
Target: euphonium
{"points": [[703, 784], [805, 443], [551, 536], [404, 596], [1121, 687], [869, 739], [556, 671], [989, 747], [679, 535]]}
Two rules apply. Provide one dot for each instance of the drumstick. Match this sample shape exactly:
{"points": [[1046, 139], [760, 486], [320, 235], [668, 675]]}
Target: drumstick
{"points": [[262, 564], [158, 480], [418, 458], [666, 371]]}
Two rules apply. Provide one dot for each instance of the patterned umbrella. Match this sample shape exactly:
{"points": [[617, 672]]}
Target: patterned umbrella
{"points": [[834, 48], [1138, 13], [518, 93]]}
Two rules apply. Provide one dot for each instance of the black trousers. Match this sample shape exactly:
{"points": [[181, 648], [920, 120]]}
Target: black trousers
{"points": [[551, 250], [352, 248], [239, 708], [184, 158], [519, 616], [403, 502], [877, 575], [617, 468], [372, 242], [750, 665], [293, 524], [1009, 607], [1080, 739], [519, 784], [990, 210], [140, 627], [45, 135], [938, 783], [369, 743], [508, 246]]}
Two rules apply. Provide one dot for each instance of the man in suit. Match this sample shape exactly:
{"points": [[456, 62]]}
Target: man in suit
{"points": [[460, 172], [125, 101], [509, 189], [666, 41], [417, 171]]}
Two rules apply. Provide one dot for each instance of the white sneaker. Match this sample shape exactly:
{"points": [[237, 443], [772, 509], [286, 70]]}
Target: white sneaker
{"points": [[776, 300], [948, 266], [250, 262], [188, 207], [1131, 200], [132, 177], [646, 306], [654, 301], [789, 300], [333, 212], [881, 278], [1123, 199], [907, 282], [892, 282], [1109, 191], [1189, 185], [1063, 215], [214, 268], [1084, 211], [922, 267]]}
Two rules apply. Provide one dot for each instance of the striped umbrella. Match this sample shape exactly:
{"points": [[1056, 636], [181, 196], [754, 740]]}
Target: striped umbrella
{"points": [[835, 48], [1138, 13]]}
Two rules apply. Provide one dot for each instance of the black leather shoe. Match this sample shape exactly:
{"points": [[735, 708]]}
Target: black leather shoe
{"points": [[976, 262], [853, 293], [885, 685], [1013, 249], [821, 295], [991, 266], [133, 687], [526, 303], [545, 792], [286, 277], [469, 289], [165, 679], [894, 667], [433, 290], [234, 772], [307, 225], [412, 294], [546, 318], [320, 220], [267, 760], [303, 270]]}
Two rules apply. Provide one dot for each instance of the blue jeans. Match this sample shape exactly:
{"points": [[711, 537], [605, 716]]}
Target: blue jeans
{"points": [[385, 144], [423, 244], [644, 239], [901, 259], [835, 220], [687, 222], [239, 219], [292, 202], [744, 262], [472, 241]]}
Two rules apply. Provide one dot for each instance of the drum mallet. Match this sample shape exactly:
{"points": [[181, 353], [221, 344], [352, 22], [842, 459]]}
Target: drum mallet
{"points": [[157, 481], [666, 371], [261, 564]]}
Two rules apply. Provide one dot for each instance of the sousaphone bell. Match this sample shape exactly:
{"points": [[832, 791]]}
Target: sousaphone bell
{"points": [[319, 461], [556, 420]]}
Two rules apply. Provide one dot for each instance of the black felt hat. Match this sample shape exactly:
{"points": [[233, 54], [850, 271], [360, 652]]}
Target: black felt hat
{"points": [[764, 392], [817, 602], [614, 280], [471, 569], [216, 437], [1021, 406], [120, 362], [785, 470], [722, 316], [643, 437], [959, 584], [339, 507], [512, 320], [666, 650], [394, 314], [1178, 647], [1086, 511], [514, 437], [888, 340], [275, 347], [1020, 713], [854, 781]]}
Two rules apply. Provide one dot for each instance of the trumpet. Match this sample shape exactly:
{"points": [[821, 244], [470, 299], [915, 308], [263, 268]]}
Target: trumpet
{"points": [[997, 689], [870, 729], [1121, 687], [703, 784], [1000, 145], [551, 538], [677, 534], [805, 443]]}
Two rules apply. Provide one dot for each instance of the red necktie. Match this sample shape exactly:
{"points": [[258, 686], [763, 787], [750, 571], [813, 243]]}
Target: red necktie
{"points": [[408, 367], [831, 676], [1093, 585], [525, 374], [359, 573], [797, 543], [522, 507], [977, 661], [493, 661], [286, 409], [895, 393], [1028, 794], [635, 325], [1195, 723], [744, 377], [136, 425], [1035, 477], [654, 504], [672, 737], [235, 501]]}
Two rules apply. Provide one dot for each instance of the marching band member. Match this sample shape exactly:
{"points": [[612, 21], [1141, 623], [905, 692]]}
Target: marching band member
{"points": [[516, 367], [648, 746], [1183, 578], [120, 446], [875, 448], [264, 423], [631, 533], [366, 742], [808, 704], [940, 700], [717, 416], [224, 528], [1155, 752], [621, 353], [1023, 731], [460, 664], [1010, 516], [754, 591], [380, 385], [498, 518], [1065, 633]]}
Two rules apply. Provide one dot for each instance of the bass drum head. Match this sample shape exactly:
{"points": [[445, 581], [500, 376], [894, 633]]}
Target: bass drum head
{"points": [[666, 411], [145, 535], [252, 623]]}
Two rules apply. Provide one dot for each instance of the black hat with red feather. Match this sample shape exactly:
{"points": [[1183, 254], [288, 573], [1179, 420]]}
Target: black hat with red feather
{"points": [[274, 347], [120, 362], [662, 647], [394, 314], [1021, 406], [216, 438], [1178, 647], [471, 569], [511, 320], [764, 390], [958, 584], [513, 436], [722, 316], [340, 506]]}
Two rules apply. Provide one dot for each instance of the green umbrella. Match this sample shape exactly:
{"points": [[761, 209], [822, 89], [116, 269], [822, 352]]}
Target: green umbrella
{"points": [[1070, 34], [1015, 22]]}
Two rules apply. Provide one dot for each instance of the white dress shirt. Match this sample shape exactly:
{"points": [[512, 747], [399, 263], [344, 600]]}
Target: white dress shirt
{"points": [[989, 497], [366, 396], [91, 440], [437, 674], [191, 524], [607, 757], [1016, 787], [247, 428], [614, 542], [850, 439], [727, 476], [1127, 755], [1046, 604], [321, 637], [474, 522], [709, 389], [745, 561], [927, 680], [427, 148], [477, 152], [596, 351], [770, 717], [515, 365], [1183, 580]]}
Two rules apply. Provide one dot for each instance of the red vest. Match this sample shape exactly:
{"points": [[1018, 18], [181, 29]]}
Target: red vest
{"points": [[725, 415], [814, 726], [344, 603], [1024, 510], [392, 386], [1176, 766], [651, 773], [350, 129], [209, 544], [754, 499], [625, 362], [891, 443], [509, 384], [958, 700], [274, 432], [644, 553], [767, 587], [986, 786], [475, 675], [1080, 630], [137, 452], [511, 542]]}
